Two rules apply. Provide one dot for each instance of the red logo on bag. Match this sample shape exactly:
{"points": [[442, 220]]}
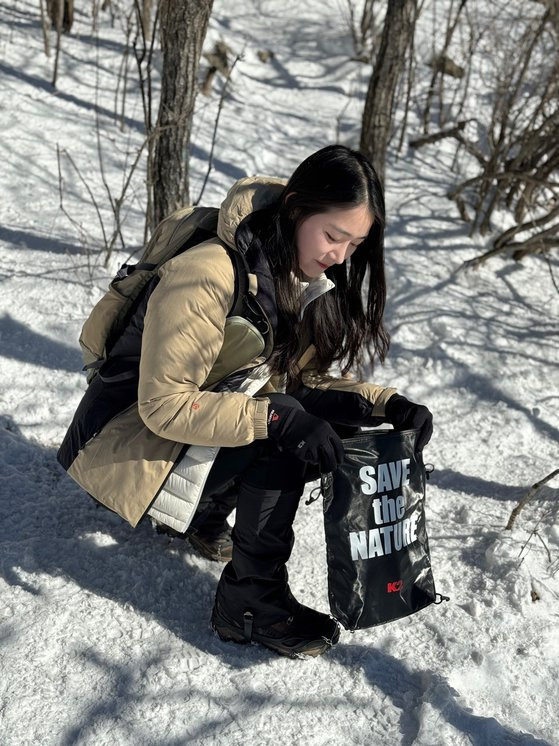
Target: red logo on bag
{"points": [[274, 417], [395, 587]]}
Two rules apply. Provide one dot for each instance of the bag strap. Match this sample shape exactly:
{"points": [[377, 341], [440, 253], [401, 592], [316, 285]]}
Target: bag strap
{"points": [[240, 267]]}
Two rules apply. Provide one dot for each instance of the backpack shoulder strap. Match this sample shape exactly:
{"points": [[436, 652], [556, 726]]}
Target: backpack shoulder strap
{"points": [[110, 316], [240, 267]]}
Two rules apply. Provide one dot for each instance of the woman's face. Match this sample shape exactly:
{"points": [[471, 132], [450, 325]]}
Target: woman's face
{"points": [[331, 237]]}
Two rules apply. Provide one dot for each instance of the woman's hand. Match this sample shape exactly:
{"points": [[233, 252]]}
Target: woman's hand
{"points": [[307, 437], [341, 407], [406, 415]]}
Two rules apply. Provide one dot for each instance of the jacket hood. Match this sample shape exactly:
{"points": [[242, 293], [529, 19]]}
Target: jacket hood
{"points": [[245, 196]]}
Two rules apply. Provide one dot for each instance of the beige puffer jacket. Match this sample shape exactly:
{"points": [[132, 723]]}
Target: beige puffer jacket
{"points": [[186, 347]]}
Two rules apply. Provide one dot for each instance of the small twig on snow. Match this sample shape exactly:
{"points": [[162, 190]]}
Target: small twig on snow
{"points": [[535, 488], [551, 273]]}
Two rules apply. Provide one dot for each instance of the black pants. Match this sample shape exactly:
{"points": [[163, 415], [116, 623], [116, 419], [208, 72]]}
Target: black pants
{"points": [[265, 485]]}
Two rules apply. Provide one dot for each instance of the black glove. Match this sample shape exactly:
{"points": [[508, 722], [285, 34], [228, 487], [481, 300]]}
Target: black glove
{"points": [[405, 415], [306, 436], [341, 407]]}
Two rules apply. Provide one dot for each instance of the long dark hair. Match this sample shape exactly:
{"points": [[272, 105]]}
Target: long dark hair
{"points": [[342, 324]]}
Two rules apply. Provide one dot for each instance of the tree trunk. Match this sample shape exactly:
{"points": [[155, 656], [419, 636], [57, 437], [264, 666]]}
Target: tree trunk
{"points": [[67, 13], [183, 29], [57, 5], [146, 18], [397, 35]]}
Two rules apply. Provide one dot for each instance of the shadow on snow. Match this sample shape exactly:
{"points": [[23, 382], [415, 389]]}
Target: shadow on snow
{"points": [[48, 525], [21, 343]]}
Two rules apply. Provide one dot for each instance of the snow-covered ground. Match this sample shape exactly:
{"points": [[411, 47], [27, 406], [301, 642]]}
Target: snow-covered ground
{"points": [[104, 633]]}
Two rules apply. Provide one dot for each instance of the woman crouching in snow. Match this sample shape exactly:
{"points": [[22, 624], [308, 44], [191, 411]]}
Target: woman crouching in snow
{"points": [[240, 411]]}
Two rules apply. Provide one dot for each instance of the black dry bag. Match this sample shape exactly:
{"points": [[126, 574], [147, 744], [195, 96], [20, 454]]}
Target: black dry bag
{"points": [[379, 567]]}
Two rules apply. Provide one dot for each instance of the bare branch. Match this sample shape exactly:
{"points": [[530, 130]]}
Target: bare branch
{"points": [[534, 489], [91, 195], [551, 274], [505, 237], [436, 136], [216, 124]]}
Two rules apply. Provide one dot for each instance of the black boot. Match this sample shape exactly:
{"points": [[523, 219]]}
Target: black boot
{"points": [[304, 632], [217, 548], [209, 532], [253, 600]]}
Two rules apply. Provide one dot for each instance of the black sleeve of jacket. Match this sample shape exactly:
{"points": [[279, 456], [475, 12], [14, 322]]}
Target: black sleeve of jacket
{"points": [[339, 407]]}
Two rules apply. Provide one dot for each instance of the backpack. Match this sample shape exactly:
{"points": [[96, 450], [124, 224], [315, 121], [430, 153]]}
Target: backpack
{"points": [[111, 315]]}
